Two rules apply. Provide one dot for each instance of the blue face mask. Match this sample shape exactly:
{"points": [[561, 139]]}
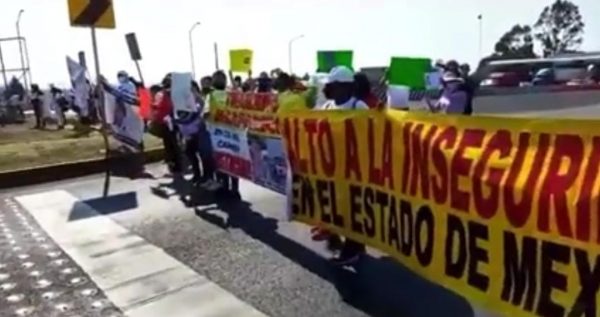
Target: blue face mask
{"points": [[123, 79]]}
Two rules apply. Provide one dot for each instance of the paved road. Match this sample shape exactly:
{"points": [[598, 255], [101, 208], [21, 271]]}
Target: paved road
{"points": [[247, 250], [145, 251]]}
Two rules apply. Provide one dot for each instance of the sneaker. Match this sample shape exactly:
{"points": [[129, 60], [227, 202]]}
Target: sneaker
{"points": [[345, 259], [211, 185], [320, 234]]}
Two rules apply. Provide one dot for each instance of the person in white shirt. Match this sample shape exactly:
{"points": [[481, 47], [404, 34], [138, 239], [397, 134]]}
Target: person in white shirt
{"points": [[339, 89], [340, 92]]}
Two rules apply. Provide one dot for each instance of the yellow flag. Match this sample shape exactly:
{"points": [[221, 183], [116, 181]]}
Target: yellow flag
{"points": [[240, 60]]}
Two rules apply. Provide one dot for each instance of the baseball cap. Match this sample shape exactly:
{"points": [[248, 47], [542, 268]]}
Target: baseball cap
{"points": [[340, 74]]}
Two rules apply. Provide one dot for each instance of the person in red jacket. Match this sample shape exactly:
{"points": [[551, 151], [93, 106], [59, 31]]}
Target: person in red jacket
{"points": [[162, 109]]}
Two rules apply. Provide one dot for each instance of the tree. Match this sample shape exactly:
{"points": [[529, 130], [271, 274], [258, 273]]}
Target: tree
{"points": [[559, 28], [516, 43]]}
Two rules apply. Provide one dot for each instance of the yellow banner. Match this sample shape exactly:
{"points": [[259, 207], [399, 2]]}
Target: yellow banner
{"points": [[502, 211]]}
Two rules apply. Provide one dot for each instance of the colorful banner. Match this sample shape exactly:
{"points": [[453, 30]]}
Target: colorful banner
{"points": [[230, 149], [240, 60], [505, 212], [255, 112]]}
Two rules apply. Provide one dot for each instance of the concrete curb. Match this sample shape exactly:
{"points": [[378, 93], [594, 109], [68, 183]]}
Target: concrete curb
{"points": [[50, 173]]}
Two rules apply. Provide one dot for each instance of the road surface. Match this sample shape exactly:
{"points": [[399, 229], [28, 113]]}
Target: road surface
{"points": [[150, 250]]}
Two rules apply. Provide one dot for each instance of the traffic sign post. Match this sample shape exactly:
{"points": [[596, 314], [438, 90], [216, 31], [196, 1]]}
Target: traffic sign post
{"points": [[96, 14], [134, 52]]}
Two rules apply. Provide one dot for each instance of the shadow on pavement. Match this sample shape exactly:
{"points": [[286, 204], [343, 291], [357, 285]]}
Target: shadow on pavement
{"points": [[378, 287], [106, 206]]}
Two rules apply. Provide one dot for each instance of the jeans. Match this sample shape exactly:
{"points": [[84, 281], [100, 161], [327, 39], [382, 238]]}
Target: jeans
{"points": [[206, 155], [172, 154], [192, 145]]}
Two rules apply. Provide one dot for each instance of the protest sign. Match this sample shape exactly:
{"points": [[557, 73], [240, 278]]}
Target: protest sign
{"points": [[81, 89], [240, 60], [230, 149], [410, 72], [181, 92], [126, 126], [503, 211], [326, 60]]}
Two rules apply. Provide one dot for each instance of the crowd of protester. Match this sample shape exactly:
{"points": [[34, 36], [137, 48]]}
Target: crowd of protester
{"points": [[185, 134]]}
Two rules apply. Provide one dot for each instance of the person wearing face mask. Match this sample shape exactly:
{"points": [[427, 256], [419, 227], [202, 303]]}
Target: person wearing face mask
{"points": [[340, 91], [454, 98], [126, 87]]}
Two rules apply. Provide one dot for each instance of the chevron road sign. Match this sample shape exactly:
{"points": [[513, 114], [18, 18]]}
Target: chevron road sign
{"points": [[92, 13]]}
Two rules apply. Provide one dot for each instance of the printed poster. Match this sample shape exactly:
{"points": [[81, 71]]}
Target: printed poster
{"points": [[269, 162], [230, 149]]}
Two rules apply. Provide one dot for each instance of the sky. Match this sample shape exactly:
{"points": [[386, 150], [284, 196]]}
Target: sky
{"points": [[374, 29]]}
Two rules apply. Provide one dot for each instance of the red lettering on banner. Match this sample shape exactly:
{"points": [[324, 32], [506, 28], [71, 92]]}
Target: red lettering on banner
{"points": [[352, 156], [387, 157], [374, 172], [233, 164], [461, 166], [420, 158], [326, 148], [378, 175], [310, 125], [292, 138], [446, 140], [586, 196], [556, 184], [406, 128], [487, 207], [518, 213]]}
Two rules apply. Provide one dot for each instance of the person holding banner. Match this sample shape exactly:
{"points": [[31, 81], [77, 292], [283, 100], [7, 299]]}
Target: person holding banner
{"points": [[454, 98], [340, 89], [218, 99], [288, 99]]}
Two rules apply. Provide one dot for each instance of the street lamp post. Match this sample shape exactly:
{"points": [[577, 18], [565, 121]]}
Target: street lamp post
{"points": [[21, 49], [294, 39], [192, 49]]}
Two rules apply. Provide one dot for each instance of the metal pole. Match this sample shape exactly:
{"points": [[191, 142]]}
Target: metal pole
{"points": [[3, 68], [139, 70], [480, 18], [191, 40], [216, 56], [27, 61], [21, 51], [290, 50], [100, 97]]}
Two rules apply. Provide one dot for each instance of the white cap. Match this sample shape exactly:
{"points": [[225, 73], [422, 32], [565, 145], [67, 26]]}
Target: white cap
{"points": [[340, 74]]}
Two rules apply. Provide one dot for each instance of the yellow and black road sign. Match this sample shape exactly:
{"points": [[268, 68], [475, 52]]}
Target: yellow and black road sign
{"points": [[97, 13]]}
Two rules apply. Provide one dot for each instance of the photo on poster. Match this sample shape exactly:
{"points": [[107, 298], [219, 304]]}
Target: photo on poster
{"points": [[269, 163]]}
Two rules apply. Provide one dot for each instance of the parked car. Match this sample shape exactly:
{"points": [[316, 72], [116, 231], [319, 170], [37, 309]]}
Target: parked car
{"points": [[502, 79]]}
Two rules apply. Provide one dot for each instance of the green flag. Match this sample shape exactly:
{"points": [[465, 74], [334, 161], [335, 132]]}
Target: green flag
{"points": [[409, 72], [326, 60]]}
